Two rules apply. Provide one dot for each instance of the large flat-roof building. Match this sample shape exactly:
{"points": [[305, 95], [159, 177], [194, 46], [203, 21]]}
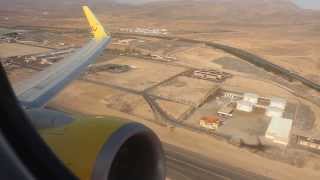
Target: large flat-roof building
{"points": [[274, 112], [279, 130], [251, 97], [245, 106], [225, 111], [278, 103]]}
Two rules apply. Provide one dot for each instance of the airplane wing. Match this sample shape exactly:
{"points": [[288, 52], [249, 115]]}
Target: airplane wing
{"points": [[39, 89]]}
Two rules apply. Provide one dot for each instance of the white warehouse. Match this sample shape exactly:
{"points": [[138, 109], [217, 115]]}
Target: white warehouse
{"points": [[274, 112], [278, 103], [245, 106], [279, 130], [251, 97]]}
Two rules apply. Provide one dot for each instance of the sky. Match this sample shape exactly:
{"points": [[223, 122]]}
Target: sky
{"points": [[309, 4]]}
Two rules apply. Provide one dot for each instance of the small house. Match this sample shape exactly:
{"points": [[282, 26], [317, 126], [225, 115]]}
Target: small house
{"points": [[210, 122]]}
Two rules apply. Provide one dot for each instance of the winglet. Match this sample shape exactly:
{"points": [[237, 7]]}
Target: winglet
{"points": [[96, 28]]}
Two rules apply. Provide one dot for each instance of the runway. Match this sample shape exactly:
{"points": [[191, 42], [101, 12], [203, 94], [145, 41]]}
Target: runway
{"points": [[186, 165]]}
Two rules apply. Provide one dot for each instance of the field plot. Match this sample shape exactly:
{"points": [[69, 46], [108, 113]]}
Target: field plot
{"points": [[175, 110], [185, 90], [247, 126], [264, 88], [19, 74], [199, 56], [4, 31], [130, 104], [235, 64], [290, 63], [92, 98], [208, 109], [143, 74], [13, 49], [163, 47]]}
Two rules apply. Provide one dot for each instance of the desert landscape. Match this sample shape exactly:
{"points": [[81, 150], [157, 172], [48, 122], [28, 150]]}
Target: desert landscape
{"points": [[212, 81]]}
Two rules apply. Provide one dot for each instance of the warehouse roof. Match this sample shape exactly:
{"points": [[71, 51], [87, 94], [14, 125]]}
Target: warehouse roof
{"points": [[279, 128], [251, 97], [274, 112], [278, 102]]}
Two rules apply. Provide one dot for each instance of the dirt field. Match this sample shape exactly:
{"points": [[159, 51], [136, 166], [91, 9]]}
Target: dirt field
{"points": [[161, 47], [20, 74], [185, 90], [90, 103], [175, 110], [235, 64], [208, 109], [13, 49], [263, 88], [294, 46], [199, 56], [296, 50], [143, 75], [100, 98], [128, 103], [247, 126]]}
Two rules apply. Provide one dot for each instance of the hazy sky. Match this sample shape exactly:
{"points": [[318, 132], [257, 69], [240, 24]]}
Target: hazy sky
{"points": [[309, 4]]}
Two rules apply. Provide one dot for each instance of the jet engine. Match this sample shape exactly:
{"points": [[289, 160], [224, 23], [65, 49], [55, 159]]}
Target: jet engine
{"points": [[101, 148]]}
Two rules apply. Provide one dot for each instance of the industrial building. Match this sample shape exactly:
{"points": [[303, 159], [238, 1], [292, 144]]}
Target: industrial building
{"points": [[274, 112], [232, 96], [245, 106], [279, 130], [226, 111], [152, 31], [264, 115], [308, 142], [278, 103], [251, 97], [210, 122]]}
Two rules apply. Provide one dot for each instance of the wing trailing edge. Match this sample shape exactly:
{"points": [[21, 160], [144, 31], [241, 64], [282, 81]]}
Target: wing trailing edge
{"points": [[43, 86]]}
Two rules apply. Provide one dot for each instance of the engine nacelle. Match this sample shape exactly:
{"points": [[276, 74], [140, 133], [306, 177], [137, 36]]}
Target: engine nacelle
{"points": [[104, 148]]}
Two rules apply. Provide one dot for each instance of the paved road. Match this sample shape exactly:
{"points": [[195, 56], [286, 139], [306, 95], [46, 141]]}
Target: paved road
{"points": [[185, 165]]}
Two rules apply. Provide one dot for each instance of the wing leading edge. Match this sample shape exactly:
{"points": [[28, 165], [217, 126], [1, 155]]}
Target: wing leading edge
{"points": [[39, 89]]}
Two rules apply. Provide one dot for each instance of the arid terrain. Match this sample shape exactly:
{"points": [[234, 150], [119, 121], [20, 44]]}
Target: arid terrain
{"points": [[153, 72]]}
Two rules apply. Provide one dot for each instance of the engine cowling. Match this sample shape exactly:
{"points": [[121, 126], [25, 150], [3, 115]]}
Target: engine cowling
{"points": [[105, 148]]}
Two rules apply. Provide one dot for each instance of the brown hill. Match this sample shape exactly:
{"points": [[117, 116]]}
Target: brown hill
{"points": [[226, 11], [214, 11]]}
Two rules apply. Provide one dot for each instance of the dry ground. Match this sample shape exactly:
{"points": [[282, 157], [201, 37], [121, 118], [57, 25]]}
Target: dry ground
{"points": [[199, 57], [264, 88], [13, 49], [90, 102], [185, 90], [175, 110], [143, 75], [19, 74], [92, 97], [292, 46]]}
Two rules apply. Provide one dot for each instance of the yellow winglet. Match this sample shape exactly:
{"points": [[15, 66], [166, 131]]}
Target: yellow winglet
{"points": [[96, 28]]}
